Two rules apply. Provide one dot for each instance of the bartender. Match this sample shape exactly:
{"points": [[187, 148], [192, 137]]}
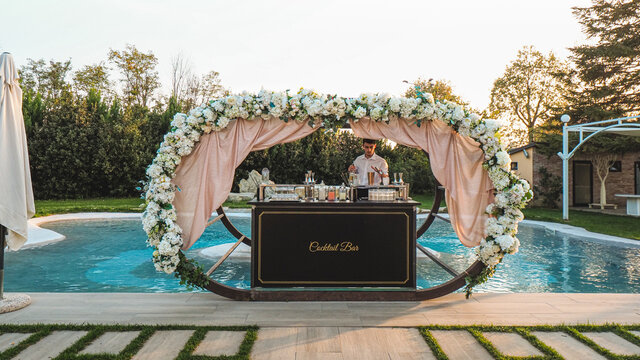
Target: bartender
{"points": [[370, 162]]}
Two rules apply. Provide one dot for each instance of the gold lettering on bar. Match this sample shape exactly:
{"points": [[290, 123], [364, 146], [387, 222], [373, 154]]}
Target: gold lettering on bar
{"points": [[214, 220], [345, 246], [225, 256]]}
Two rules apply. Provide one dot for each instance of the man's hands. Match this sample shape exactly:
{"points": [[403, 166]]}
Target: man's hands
{"points": [[352, 168]]}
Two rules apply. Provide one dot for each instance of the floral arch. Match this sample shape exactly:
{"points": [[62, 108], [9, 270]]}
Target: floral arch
{"points": [[483, 196]]}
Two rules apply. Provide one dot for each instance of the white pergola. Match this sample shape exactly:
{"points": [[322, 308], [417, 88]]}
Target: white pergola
{"points": [[622, 126]]}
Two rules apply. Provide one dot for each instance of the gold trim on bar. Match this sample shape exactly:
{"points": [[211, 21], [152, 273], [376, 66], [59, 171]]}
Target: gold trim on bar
{"points": [[354, 282]]}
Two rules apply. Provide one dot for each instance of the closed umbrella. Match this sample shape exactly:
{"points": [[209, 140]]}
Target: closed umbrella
{"points": [[16, 193]]}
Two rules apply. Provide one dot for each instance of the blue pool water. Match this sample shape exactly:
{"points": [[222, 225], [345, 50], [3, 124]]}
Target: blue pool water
{"points": [[111, 256]]}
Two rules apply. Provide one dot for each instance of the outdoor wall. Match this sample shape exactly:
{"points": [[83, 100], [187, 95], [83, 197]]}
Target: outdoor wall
{"points": [[617, 182], [525, 164]]}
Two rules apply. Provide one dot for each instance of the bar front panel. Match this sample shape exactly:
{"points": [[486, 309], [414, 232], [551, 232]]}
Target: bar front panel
{"points": [[336, 247]]}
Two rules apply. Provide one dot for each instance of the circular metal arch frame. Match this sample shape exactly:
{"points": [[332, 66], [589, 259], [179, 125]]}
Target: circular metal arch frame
{"points": [[445, 288]]}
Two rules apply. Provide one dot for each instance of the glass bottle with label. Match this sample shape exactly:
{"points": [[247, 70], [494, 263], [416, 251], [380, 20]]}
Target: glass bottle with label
{"points": [[342, 194], [331, 194]]}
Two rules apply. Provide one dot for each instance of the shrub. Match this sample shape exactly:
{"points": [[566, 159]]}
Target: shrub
{"points": [[550, 188]]}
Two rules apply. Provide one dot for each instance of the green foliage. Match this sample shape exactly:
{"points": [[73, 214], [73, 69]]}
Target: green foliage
{"points": [[528, 91], [550, 189], [139, 76], [440, 89], [84, 147], [481, 278], [606, 77], [190, 273], [92, 77]]}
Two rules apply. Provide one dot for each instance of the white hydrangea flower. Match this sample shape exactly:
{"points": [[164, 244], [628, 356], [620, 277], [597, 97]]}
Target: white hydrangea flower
{"points": [[429, 98], [493, 228], [505, 241], [503, 159], [394, 104], [208, 114]]}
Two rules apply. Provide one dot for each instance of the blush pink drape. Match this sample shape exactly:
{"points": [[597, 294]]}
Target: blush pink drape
{"points": [[456, 162], [205, 176]]}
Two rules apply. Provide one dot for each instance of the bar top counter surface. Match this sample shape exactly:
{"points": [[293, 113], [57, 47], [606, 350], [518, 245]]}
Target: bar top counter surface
{"points": [[326, 203]]}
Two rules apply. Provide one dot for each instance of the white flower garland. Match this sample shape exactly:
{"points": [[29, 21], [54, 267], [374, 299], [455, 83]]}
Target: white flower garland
{"points": [[159, 217]]}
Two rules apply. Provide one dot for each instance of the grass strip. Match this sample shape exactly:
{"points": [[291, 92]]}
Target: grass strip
{"points": [[547, 350], [72, 351], [134, 346], [590, 343], [192, 344], [476, 333], [433, 344], [146, 331], [625, 334], [247, 344], [15, 350]]}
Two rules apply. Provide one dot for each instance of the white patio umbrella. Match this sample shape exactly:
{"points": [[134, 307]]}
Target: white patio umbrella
{"points": [[16, 193]]}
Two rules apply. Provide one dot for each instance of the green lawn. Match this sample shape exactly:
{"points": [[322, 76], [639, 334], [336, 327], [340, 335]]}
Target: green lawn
{"points": [[425, 200], [624, 226], [49, 207]]}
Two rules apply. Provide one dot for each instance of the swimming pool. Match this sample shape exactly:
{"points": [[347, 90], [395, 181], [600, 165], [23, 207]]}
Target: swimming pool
{"points": [[111, 256]]}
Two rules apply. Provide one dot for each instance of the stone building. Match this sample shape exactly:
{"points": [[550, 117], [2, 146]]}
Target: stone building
{"points": [[584, 183]]}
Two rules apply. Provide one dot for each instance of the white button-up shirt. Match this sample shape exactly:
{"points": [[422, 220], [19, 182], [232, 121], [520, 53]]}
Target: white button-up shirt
{"points": [[363, 166]]}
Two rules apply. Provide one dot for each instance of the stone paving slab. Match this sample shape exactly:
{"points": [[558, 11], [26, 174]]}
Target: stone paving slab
{"points": [[216, 343], [613, 343], [512, 344], [460, 345], [51, 345], [111, 342], [10, 340], [349, 343], [164, 345], [318, 340], [275, 344], [382, 343], [567, 346]]}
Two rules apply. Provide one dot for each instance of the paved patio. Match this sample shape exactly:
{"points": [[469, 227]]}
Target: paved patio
{"points": [[328, 330], [211, 309]]}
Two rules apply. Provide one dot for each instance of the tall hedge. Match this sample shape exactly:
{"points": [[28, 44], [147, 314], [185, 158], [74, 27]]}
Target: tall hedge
{"points": [[83, 147]]}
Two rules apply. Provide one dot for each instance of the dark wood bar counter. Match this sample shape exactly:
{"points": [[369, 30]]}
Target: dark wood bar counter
{"points": [[334, 244]]}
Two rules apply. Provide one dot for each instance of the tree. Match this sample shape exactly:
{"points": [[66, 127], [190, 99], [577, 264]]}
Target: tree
{"points": [[200, 89], [140, 77], [528, 91], [92, 77], [607, 69], [48, 80], [603, 82], [603, 162], [180, 74], [440, 89]]}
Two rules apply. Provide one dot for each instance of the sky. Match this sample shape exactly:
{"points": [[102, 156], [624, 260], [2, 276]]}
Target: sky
{"points": [[336, 47]]}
